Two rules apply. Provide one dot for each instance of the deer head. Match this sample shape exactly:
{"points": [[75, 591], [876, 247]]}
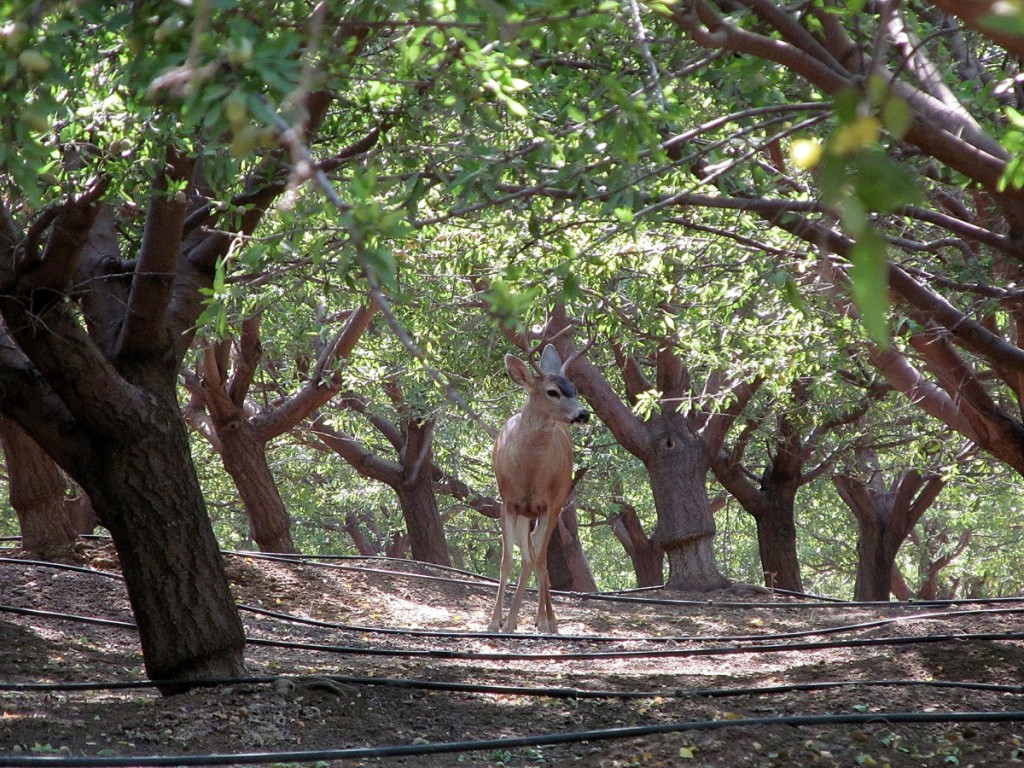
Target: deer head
{"points": [[552, 395]]}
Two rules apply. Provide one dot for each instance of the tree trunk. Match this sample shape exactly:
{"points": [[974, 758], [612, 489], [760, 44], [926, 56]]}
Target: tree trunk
{"points": [[37, 487], [644, 551], [359, 538], [678, 465], [776, 540], [423, 521], [884, 519], [146, 491], [81, 514], [245, 459], [875, 561], [567, 564]]}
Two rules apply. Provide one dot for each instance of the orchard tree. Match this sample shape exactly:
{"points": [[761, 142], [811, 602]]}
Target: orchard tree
{"points": [[133, 173], [919, 167], [886, 512], [239, 424], [800, 446], [38, 494]]}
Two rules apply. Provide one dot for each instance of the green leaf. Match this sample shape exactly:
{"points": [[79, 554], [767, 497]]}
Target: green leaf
{"points": [[845, 104], [869, 276], [897, 117], [881, 183]]}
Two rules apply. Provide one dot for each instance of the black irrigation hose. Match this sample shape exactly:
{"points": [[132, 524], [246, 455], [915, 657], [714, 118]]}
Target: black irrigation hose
{"points": [[311, 560], [39, 614], [515, 690], [539, 740], [648, 654], [62, 567], [574, 638], [618, 596], [562, 656], [437, 633]]}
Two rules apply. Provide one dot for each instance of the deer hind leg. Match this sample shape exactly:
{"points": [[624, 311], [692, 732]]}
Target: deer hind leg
{"points": [[520, 532], [546, 621], [505, 570]]}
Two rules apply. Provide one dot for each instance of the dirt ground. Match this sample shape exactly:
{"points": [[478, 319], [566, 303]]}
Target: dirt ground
{"points": [[728, 679]]}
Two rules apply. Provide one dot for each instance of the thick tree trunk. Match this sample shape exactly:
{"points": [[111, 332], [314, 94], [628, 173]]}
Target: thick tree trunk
{"points": [[37, 487], [423, 521], [678, 465], [776, 540], [245, 459], [567, 564], [884, 517], [146, 491], [875, 561], [81, 514]]}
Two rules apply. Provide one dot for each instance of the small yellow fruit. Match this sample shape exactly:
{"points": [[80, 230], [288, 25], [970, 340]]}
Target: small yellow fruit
{"points": [[236, 110], [805, 153], [241, 52], [245, 141], [863, 132]]}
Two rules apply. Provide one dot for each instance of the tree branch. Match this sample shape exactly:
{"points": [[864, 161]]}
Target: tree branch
{"points": [[145, 321]]}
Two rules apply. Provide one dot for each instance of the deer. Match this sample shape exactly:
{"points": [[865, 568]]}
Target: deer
{"points": [[533, 466]]}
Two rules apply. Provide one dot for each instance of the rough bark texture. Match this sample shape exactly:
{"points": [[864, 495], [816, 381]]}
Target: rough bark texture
{"points": [[675, 448], [37, 489], [245, 459], [776, 541], [175, 580], [885, 517], [411, 477], [567, 563], [646, 554], [90, 349], [677, 463], [221, 411], [423, 521]]}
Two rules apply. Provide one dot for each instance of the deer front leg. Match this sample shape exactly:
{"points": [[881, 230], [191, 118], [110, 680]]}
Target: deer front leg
{"points": [[504, 571], [546, 622], [519, 530]]}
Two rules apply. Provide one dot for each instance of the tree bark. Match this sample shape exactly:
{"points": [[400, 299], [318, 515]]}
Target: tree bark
{"points": [[148, 495], [37, 489], [423, 521], [567, 564], [776, 541], [90, 350], [884, 517], [677, 463], [411, 478], [675, 448], [245, 459], [646, 554]]}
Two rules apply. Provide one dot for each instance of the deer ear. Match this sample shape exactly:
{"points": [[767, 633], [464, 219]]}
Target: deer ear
{"points": [[550, 362], [518, 371]]}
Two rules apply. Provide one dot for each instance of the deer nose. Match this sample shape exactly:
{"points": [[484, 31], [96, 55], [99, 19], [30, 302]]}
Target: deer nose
{"points": [[581, 418]]}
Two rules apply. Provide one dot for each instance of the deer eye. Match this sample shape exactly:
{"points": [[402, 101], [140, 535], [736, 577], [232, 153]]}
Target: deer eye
{"points": [[554, 393]]}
